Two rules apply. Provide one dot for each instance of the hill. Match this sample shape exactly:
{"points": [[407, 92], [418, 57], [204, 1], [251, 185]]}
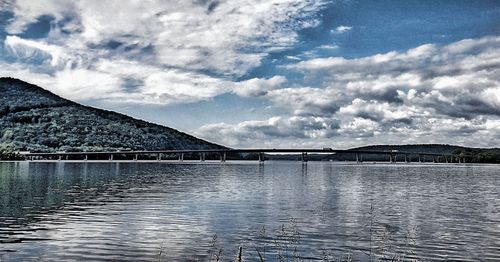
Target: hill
{"points": [[479, 155], [34, 119]]}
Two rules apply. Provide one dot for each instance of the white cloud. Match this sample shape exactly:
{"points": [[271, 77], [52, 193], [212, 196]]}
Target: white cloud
{"points": [[328, 47], [192, 49], [272, 130], [258, 87], [431, 94], [55, 56], [306, 100], [341, 29], [451, 79], [27, 12]]}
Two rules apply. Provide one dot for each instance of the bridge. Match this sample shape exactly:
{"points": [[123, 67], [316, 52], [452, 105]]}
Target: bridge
{"points": [[238, 154]]}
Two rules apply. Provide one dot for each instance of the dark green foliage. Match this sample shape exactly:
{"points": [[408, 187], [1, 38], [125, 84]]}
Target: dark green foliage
{"points": [[33, 119], [9, 155], [480, 155], [475, 155]]}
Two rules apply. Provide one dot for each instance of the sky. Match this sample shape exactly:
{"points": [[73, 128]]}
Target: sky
{"points": [[271, 73]]}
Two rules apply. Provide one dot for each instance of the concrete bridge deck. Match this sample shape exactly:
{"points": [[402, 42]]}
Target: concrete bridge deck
{"points": [[223, 153]]}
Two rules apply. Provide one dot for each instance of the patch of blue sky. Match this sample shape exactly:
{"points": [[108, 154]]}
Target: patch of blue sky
{"points": [[227, 108], [39, 29], [376, 27], [5, 17]]}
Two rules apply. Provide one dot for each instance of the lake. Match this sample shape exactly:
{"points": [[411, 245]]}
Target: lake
{"points": [[197, 211]]}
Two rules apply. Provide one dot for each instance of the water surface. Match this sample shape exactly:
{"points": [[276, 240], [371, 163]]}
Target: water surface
{"points": [[158, 211]]}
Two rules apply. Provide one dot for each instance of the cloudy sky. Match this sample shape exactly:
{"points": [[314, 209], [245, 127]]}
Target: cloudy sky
{"points": [[271, 73]]}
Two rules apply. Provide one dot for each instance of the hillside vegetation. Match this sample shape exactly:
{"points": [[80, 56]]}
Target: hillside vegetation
{"points": [[36, 120], [477, 155]]}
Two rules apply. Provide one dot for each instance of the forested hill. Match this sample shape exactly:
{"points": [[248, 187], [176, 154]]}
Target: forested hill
{"points": [[480, 155], [34, 119]]}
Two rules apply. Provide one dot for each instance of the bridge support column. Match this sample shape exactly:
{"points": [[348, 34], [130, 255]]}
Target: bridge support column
{"points": [[406, 158], [158, 157], [419, 158], [261, 157], [223, 157], [86, 157], [111, 157], [202, 157], [357, 158], [136, 156], [304, 157], [60, 158], [181, 157]]}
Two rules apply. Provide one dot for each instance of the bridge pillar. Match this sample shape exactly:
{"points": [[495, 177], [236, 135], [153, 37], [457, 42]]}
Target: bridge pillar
{"points": [[357, 158], [202, 157], [158, 157], [261, 157], [181, 157], [304, 157], [406, 158], [86, 157], [419, 158], [136, 156], [110, 157], [60, 158], [223, 157]]}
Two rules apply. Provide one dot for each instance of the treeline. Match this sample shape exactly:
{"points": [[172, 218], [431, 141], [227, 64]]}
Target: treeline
{"points": [[471, 155], [480, 155], [474, 155], [9, 155]]}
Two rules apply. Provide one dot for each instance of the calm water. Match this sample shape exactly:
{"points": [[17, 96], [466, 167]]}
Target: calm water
{"points": [[158, 211]]}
